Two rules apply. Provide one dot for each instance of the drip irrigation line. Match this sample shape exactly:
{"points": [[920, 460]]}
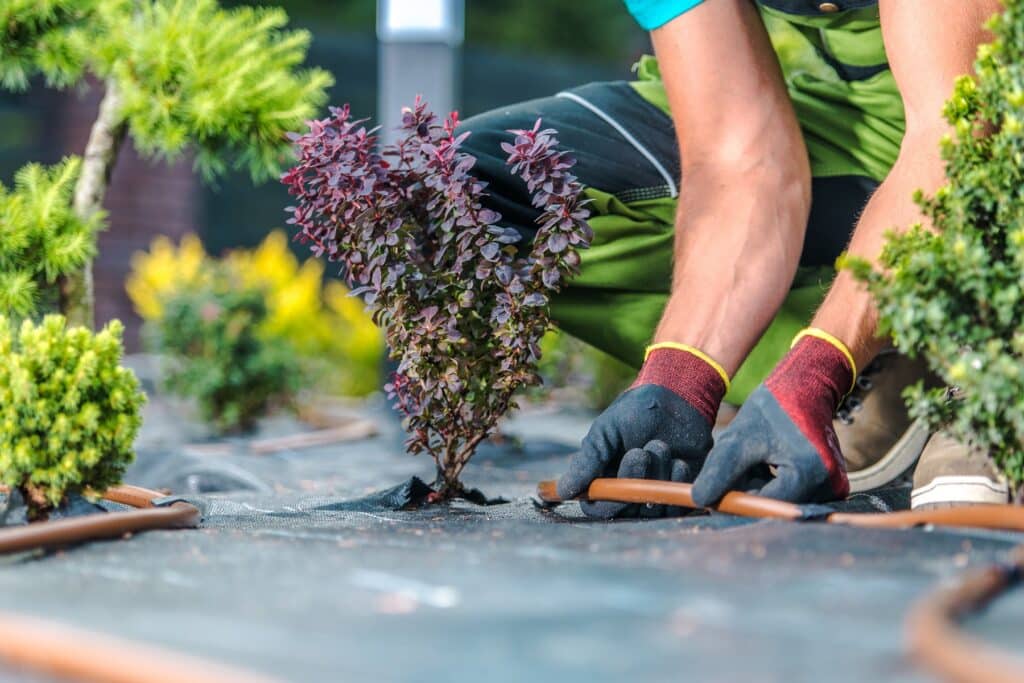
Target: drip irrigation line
{"points": [[62, 532], [933, 637], [938, 645], [352, 431], [998, 517], [58, 650], [75, 654]]}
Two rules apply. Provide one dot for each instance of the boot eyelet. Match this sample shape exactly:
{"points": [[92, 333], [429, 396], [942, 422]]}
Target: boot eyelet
{"points": [[865, 383]]}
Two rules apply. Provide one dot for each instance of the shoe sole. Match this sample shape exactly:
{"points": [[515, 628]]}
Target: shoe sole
{"points": [[899, 459], [955, 490]]}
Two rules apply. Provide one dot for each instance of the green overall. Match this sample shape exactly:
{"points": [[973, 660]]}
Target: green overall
{"points": [[852, 121]]}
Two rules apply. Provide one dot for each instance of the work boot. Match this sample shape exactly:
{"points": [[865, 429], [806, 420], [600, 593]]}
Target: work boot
{"points": [[951, 474], [878, 439]]}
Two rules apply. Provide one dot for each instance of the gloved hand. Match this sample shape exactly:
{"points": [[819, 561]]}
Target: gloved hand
{"points": [[660, 428], [786, 423]]}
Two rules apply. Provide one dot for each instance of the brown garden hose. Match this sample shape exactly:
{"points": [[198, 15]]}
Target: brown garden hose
{"points": [[932, 634], [937, 644], [78, 655], [65, 652], [999, 517], [62, 532]]}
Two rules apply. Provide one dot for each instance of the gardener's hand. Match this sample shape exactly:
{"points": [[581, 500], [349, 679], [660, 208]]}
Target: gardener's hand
{"points": [[658, 429], [786, 424]]}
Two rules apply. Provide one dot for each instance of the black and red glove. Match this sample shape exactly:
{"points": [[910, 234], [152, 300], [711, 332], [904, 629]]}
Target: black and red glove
{"points": [[660, 428], [786, 425]]}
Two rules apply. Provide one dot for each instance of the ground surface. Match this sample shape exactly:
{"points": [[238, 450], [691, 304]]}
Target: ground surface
{"points": [[290, 577]]}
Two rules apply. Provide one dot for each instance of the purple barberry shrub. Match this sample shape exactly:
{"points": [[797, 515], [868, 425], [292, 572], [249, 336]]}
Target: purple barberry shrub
{"points": [[463, 308]]}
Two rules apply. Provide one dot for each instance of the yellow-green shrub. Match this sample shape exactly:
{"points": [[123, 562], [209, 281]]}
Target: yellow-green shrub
{"points": [[69, 412], [328, 329]]}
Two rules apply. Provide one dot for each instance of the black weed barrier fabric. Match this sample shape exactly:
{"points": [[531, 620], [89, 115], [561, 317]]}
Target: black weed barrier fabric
{"points": [[315, 571], [14, 512]]}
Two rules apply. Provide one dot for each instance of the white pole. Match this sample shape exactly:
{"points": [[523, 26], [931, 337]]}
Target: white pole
{"points": [[419, 52]]}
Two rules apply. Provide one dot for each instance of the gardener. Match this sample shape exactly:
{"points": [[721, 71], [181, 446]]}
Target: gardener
{"points": [[722, 195]]}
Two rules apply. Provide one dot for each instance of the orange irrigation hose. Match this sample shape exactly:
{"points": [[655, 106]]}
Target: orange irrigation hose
{"points": [[134, 496], [1000, 517], [58, 650], [79, 655], [932, 635], [63, 532], [937, 644]]}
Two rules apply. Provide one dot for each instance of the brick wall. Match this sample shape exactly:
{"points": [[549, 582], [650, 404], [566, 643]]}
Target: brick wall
{"points": [[146, 198]]}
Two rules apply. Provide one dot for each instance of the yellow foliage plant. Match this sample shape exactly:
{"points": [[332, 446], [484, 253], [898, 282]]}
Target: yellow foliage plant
{"points": [[327, 328]]}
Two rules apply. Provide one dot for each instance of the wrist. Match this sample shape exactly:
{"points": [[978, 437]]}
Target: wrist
{"points": [[835, 342], [818, 365], [687, 372]]}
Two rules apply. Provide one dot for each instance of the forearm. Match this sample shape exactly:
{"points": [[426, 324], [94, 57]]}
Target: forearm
{"points": [[927, 52], [745, 180], [848, 311], [739, 235]]}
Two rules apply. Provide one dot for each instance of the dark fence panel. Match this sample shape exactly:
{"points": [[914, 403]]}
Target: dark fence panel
{"points": [[237, 213]]}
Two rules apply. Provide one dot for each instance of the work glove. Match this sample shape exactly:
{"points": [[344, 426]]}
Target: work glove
{"points": [[660, 428], [783, 432]]}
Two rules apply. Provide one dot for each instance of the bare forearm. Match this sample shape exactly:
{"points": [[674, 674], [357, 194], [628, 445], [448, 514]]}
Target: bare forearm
{"points": [[739, 237], [848, 311], [745, 180], [927, 52]]}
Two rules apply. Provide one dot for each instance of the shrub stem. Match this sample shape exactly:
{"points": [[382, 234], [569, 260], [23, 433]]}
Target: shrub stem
{"points": [[101, 152]]}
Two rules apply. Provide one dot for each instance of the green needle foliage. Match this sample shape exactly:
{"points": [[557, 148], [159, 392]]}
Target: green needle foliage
{"points": [[69, 412], [181, 76], [225, 83], [48, 37], [41, 239], [956, 294]]}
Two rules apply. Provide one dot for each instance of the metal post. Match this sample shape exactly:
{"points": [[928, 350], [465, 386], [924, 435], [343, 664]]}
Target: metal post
{"points": [[420, 43]]}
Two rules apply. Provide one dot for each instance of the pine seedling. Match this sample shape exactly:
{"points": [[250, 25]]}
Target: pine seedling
{"points": [[212, 334]]}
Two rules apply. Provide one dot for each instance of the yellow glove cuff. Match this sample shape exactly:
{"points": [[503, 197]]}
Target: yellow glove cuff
{"points": [[693, 351], [834, 341]]}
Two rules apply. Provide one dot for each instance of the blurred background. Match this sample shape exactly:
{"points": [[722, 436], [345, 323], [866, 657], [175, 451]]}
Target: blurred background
{"points": [[513, 50]]}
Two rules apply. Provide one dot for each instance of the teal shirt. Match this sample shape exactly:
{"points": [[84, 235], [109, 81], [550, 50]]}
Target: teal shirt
{"points": [[654, 13]]}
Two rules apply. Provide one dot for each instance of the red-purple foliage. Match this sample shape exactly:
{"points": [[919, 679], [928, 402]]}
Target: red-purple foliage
{"points": [[462, 307]]}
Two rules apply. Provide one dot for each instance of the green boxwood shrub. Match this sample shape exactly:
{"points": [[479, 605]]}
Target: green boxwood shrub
{"points": [[69, 412], [956, 294], [213, 338]]}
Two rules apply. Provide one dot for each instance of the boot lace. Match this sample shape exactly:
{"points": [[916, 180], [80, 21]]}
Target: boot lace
{"points": [[861, 386]]}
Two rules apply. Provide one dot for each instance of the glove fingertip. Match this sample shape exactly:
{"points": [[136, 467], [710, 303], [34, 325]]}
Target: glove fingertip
{"points": [[705, 493], [635, 464], [680, 471], [569, 486], [658, 448], [584, 467], [602, 509]]}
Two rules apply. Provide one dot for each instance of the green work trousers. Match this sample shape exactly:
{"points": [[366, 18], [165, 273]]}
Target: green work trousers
{"points": [[628, 160]]}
